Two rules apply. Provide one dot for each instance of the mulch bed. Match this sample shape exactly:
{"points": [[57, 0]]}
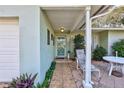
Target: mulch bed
{"points": [[117, 73]]}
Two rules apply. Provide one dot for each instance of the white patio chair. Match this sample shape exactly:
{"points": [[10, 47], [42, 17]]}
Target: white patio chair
{"points": [[80, 59]]}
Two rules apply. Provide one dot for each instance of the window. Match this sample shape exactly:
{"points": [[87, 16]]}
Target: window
{"points": [[48, 37], [52, 38]]}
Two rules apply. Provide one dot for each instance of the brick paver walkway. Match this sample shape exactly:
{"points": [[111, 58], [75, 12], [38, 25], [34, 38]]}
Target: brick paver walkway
{"points": [[62, 77], [65, 76]]}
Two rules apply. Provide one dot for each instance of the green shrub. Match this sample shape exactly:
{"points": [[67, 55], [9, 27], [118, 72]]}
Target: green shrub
{"points": [[122, 20], [98, 53], [119, 47], [48, 76], [38, 85]]}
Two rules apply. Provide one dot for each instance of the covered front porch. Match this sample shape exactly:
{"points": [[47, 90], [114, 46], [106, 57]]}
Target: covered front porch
{"points": [[66, 23]]}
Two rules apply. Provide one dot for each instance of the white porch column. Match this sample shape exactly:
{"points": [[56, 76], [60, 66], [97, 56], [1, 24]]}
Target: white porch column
{"points": [[88, 38]]}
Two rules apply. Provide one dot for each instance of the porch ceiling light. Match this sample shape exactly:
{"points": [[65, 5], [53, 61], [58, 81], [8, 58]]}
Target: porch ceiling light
{"points": [[62, 29]]}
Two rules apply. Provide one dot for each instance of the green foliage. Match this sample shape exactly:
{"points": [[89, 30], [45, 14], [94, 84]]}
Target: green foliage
{"points": [[98, 53], [48, 76], [78, 42], [38, 85], [69, 51], [122, 20], [119, 47]]}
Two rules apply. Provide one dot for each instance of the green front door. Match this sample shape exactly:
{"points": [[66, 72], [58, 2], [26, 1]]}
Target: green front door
{"points": [[61, 46]]}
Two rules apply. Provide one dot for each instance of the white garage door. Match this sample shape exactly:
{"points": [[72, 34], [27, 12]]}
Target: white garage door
{"points": [[9, 49]]}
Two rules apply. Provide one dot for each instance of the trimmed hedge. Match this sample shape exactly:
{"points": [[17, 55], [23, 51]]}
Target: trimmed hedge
{"points": [[48, 76], [98, 53], [119, 47]]}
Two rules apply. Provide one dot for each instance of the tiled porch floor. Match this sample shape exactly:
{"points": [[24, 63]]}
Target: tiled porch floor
{"points": [[67, 76]]}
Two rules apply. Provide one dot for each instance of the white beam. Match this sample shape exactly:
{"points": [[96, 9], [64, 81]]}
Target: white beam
{"points": [[102, 29], [98, 29], [103, 14], [63, 7], [87, 82]]}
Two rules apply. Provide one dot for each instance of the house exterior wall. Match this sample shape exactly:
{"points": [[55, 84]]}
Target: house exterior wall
{"points": [[46, 51], [103, 39], [29, 30], [114, 36], [95, 39], [107, 38], [100, 39]]}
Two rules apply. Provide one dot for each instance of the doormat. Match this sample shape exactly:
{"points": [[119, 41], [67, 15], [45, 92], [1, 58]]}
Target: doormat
{"points": [[60, 58], [117, 74]]}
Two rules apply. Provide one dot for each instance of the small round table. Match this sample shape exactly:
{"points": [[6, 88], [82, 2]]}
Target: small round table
{"points": [[114, 60]]}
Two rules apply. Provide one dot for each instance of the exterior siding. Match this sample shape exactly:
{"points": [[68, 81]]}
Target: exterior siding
{"points": [[29, 36], [103, 39], [95, 40], [46, 51]]}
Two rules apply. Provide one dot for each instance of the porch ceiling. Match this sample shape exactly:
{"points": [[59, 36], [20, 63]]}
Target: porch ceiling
{"points": [[71, 18]]}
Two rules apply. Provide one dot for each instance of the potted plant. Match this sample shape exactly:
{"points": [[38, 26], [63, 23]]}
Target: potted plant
{"points": [[79, 43]]}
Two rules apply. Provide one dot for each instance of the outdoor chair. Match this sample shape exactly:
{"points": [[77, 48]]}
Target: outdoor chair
{"points": [[80, 59]]}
